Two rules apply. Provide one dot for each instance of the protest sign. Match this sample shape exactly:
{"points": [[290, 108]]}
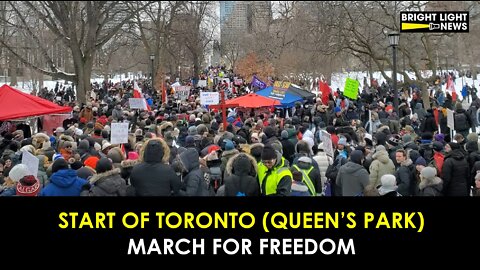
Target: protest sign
{"points": [[119, 133], [137, 103], [31, 161], [351, 88], [209, 98]]}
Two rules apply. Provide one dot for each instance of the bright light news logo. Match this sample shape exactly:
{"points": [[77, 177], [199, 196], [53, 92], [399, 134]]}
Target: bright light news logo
{"points": [[434, 21]]}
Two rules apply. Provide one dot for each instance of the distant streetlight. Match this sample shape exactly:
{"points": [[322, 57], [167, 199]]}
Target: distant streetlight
{"points": [[393, 38], [152, 58]]}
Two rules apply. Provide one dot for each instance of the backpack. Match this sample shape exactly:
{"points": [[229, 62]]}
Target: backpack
{"points": [[331, 175], [461, 121]]}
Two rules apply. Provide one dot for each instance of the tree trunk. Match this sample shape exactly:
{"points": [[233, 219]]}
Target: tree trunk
{"points": [[40, 80], [425, 96], [13, 71]]}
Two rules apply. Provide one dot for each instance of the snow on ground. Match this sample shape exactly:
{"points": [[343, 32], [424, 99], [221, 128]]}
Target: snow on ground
{"points": [[339, 79], [27, 86]]}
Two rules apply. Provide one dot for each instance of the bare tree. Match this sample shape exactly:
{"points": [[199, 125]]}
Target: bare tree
{"points": [[82, 26]]}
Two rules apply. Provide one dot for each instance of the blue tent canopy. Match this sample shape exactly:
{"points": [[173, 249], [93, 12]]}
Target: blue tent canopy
{"points": [[287, 102]]}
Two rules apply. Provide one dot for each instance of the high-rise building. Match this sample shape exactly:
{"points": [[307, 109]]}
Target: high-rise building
{"points": [[238, 18]]}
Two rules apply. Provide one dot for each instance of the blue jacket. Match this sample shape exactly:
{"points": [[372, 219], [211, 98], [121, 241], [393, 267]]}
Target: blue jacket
{"points": [[464, 91], [64, 183], [11, 191]]}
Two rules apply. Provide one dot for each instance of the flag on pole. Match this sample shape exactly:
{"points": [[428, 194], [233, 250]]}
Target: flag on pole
{"points": [[138, 94], [164, 93], [451, 88], [326, 91]]}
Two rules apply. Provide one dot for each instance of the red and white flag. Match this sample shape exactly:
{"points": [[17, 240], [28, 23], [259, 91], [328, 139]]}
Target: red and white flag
{"points": [[450, 84], [451, 88], [137, 93]]}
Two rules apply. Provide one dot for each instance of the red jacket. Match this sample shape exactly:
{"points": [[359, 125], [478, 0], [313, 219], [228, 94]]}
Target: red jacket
{"points": [[438, 158]]}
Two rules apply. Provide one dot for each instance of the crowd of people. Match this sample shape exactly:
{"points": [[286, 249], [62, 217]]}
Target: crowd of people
{"points": [[182, 148]]}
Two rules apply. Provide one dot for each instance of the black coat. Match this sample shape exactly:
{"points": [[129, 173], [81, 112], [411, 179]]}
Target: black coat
{"points": [[152, 177], [193, 183], [429, 124], [240, 177], [288, 150], [455, 174]]}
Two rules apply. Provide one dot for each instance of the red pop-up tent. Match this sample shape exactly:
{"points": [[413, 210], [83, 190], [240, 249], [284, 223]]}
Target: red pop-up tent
{"points": [[15, 104], [253, 101]]}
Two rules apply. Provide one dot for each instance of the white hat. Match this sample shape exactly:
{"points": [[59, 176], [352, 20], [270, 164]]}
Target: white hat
{"points": [[106, 145], [59, 130], [78, 132], [97, 147], [18, 172], [389, 184]]}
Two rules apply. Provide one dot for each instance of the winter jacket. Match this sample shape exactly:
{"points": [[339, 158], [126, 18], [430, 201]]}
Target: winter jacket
{"points": [[431, 187], [240, 180], [226, 155], [405, 178], [42, 172], [279, 177], [116, 113], [299, 189], [109, 183], [126, 169], [455, 174], [288, 150], [64, 183], [421, 113], [314, 175], [380, 166], [193, 183], [352, 178], [323, 162], [429, 125], [152, 176]]}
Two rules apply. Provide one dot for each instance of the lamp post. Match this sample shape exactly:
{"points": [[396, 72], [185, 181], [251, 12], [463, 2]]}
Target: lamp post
{"points": [[393, 39], [152, 58]]}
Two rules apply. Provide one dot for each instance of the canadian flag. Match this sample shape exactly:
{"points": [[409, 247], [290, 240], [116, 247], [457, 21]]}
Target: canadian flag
{"points": [[326, 91], [451, 88], [138, 94]]}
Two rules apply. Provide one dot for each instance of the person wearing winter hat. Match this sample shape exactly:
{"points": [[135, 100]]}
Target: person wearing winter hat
{"points": [[288, 148], [273, 174], [455, 171], [299, 188], [28, 186], [311, 176], [240, 174], [64, 181], [389, 186], [8, 188], [91, 162], [352, 178], [132, 155], [153, 176], [107, 181], [430, 184], [440, 137]]}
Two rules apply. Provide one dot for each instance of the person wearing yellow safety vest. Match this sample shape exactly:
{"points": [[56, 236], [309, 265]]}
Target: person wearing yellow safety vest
{"points": [[274, 176], [310, 175]]}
